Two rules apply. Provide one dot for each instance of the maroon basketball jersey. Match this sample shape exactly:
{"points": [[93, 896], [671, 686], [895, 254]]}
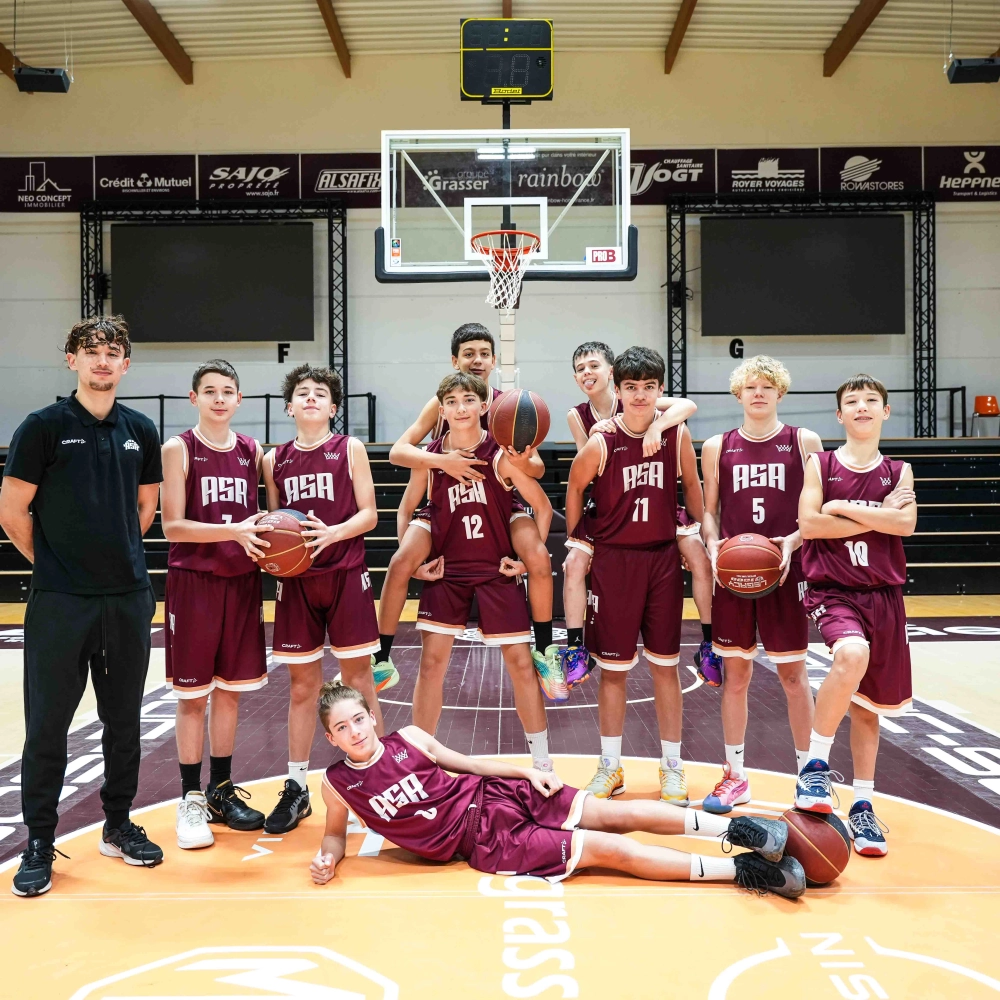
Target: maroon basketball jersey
{"points": [[441, 427], [636, 497], [320, 479], [760, 480], [405, 796], [864, 561], [588, 416], [470, 524], [220, 488]]}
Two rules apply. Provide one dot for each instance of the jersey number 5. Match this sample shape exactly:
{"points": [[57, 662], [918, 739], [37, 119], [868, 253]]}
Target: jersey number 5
{"points": [[473, 526], [859, 553], [641, 503], [758, 510]]}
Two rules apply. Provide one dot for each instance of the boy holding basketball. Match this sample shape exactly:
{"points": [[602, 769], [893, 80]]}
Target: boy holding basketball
{"points": [[327, 478], [753, 477], [469, 529], [473, 351], [214, 612], [635, 573], [856, 507], [592, 370]]}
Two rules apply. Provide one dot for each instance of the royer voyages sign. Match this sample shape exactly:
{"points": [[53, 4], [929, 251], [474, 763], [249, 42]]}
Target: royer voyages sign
{"points": [[768, 171]]}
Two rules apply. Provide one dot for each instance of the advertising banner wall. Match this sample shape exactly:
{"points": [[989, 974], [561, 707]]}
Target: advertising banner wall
{"points": [[657, 173], [353, 178], [961, 173], [248, 176], [45, 183], [870, 169], [768, 171], [137, 178]]}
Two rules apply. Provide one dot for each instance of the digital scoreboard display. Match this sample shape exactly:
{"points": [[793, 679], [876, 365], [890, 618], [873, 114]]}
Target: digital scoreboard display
{"points": [[506, 59]]}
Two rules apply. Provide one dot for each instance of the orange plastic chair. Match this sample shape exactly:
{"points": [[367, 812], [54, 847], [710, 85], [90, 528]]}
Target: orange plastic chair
{"points": [[984, 406]]}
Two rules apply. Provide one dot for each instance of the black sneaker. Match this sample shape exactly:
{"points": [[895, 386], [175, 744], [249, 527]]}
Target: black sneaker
{"points": [[34, 876], [786, 878], [130, 843], [293, 805], [765, 836], [224, 806]]}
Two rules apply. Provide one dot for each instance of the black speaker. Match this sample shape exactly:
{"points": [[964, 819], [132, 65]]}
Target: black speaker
{"points": [[32, 80], [974, 70]]}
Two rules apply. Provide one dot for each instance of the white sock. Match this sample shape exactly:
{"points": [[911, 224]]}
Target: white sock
{"points": [[297, 771], [819, 747], [611, 751], [705, 824], [670, 755], [801, 759], [734, 757], [712, 869], [538, 743], [863, 790]]}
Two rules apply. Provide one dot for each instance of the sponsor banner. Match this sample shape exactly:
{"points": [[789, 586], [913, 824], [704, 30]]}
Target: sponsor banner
{"points": [[354, 178], [657, 173], [870, 169], [157, 178], [770, 171], [248, 176], [45, 183], [962, 173]]}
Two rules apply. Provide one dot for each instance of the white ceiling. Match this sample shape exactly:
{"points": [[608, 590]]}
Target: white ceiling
{"points": [[104, 32]]}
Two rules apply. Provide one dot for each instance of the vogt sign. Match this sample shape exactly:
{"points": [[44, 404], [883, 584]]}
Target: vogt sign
{"points": [[657, 173]]}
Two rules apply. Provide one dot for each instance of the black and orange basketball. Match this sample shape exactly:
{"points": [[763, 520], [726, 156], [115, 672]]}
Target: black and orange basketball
{"points": [[519, 419], [819, 842], [288, 555], [749, 565]]}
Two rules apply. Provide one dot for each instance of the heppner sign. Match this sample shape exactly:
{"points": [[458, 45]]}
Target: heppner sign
{"points": [[156, 178], [961, 173]]}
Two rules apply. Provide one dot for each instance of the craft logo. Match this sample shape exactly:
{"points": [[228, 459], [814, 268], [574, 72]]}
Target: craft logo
{"points": [[857, 172], [40, 190], [352, 181], [768, 176], [249, 180]]}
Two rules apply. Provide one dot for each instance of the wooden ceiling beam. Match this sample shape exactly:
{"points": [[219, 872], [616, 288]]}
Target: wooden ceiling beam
{"points": [[508, 8], [680, 28], [162, 37], [336, 35], [850, 34], [996, 55], [7, 61]]}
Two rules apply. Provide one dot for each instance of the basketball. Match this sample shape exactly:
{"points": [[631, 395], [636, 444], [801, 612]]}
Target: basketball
{"points": [[288, 555], [749, 565], [819, 842], [519, 419]]}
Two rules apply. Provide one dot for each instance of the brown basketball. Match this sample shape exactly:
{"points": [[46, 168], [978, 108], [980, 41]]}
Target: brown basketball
{"points": [[749, 565], [819, 842], [519, 419], [287, 555]]}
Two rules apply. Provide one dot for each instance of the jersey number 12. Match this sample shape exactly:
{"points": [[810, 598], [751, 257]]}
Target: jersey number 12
{"points": [[473, 526]]}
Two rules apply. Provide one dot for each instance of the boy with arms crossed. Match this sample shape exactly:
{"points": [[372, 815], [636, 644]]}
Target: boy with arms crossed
{"points": [[635, 573], [473, 351], [469, 528], [753, 477], [505, 819], [856, 507], [327, 477], [214, 610], [592, 370]]}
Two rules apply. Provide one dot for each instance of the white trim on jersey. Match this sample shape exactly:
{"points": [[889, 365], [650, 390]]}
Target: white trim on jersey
{"points": [[574, 412], [374, 759], [496, 472], [759, 440], [311, 447], [902, 472], [186, 463], [799, 434], [604, 454], [208, 444], [678, 441], [350, 457], [874, 464]]}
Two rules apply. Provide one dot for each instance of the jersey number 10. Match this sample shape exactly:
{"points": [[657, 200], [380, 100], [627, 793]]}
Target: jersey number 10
{"points": [[859, 553]]}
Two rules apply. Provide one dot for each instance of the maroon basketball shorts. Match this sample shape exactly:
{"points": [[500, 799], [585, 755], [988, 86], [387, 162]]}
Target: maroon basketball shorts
{"points": [[339, 604], [520, 832], [686, 525], [214, 633], [633, 591], [503, 609], [779, 617], [876, 619], [580, 537]]}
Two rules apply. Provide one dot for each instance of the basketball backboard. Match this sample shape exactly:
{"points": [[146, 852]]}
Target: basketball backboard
{"points": [[568, 186]]}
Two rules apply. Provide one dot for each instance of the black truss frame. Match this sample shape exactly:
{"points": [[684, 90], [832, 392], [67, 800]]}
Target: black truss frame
{"points": [[919, 203], [94, 280]]}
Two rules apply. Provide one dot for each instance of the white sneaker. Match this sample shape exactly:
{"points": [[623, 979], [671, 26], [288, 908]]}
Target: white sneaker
{"points": [[192, 822]]}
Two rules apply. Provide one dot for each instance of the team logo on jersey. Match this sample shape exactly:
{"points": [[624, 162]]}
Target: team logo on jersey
{"points": [[401, 756], [243, 461], [643, 474], [784, 447], [886, 480], [223, 489], [466, 493], [769, 474], [357, 784], [834, 479], [398, 795], [331, 455], [309, 486], [131, 445]]}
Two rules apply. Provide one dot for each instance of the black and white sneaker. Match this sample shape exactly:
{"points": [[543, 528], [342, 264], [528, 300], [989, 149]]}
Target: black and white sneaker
{"points": [[765, 836], [786, 878], [34, 876], [225, 806], [130, 843], [293, 805]]}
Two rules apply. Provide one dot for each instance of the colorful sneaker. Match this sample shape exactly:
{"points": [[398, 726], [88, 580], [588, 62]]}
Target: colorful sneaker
{"points": [[674, 786], [192, 822], [767, 837], [813, 791], [576, 664], [784, 878], [550, 673], [729, 792], [608, 781], [708, 665], [867, 830], [386, 675]]}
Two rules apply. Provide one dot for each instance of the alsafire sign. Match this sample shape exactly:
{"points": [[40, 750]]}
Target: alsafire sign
{"points": [[63, 183]]}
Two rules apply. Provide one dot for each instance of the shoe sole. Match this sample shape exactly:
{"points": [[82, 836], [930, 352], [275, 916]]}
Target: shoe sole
{"points": [[611, 794], [194, 845], [825, 807], [682, 803], [386, 685], [870, 851], [31, 892], [241, 827], [720, 809], [573, 684], [288, 829], [110, 851]]}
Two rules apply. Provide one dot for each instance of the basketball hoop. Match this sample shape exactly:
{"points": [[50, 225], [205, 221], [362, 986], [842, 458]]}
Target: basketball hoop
{"points": [[506, 254]]}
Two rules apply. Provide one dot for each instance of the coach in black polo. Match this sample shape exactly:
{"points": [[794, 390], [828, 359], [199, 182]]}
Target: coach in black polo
{"points": [[90, 470]]}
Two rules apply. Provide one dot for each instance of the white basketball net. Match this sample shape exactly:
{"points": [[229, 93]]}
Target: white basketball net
{"points": [[506, 254]]}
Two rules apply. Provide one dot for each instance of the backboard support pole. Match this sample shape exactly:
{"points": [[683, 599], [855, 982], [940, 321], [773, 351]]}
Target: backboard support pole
{"points": [[508, 319]]}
